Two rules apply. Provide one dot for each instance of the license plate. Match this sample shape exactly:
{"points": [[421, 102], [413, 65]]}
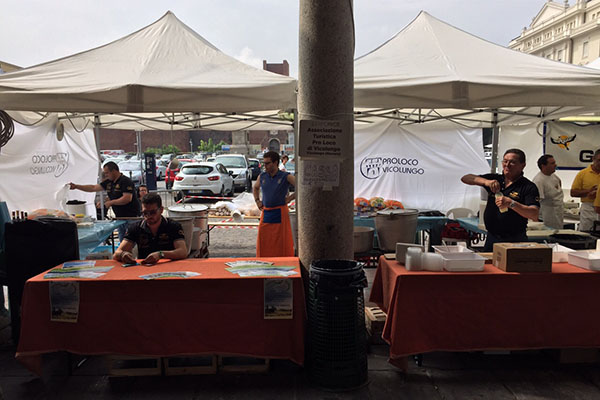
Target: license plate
{"points": [[195, 191]]}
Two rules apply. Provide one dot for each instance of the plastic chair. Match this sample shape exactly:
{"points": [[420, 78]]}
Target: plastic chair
{"points": [[459, 212]]}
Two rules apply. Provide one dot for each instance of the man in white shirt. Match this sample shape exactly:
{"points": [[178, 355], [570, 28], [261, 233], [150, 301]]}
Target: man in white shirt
{"points": [[551, 193]]}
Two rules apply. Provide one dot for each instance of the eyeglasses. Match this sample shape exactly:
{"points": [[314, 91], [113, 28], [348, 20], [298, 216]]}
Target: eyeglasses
{"points": [[267, 162], [510, 162], [149, 213]]}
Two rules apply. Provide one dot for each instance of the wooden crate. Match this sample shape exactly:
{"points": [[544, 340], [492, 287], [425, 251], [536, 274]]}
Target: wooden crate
{"points": [[120, 365], [190, 365], [234, 364], [375, 319]]}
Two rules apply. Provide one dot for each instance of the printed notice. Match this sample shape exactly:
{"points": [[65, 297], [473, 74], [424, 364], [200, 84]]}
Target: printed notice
{"points": [[279, 299], [64, 301], [321, 173], [324, 138]]}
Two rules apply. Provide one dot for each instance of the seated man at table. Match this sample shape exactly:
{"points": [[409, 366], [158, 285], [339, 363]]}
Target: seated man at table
{"points": [[512, 199], [156, 237]]}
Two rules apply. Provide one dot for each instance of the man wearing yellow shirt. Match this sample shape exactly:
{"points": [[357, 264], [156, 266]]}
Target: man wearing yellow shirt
{"points": [[585, 185]]}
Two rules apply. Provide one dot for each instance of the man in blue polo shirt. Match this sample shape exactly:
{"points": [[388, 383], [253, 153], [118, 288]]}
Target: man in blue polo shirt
{"points": [[274, 231]]}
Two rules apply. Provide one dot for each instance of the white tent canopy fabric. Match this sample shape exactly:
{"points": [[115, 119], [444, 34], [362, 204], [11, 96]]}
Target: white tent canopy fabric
{"points": [[433, 65], [165, 67]]}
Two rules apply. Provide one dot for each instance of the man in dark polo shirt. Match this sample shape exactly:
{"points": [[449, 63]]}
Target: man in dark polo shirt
{"points": [[157, 237], [512, 199], [121, 193]]}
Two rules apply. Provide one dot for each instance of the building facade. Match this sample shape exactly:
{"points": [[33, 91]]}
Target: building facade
{"points": [[563, 32]]}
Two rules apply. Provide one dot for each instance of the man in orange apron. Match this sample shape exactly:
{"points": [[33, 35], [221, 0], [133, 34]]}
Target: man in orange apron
{"points": [[274, 231]]}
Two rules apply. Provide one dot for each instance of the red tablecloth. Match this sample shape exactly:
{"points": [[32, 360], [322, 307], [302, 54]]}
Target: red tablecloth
{"points": [[120, 313], [449, 311]]}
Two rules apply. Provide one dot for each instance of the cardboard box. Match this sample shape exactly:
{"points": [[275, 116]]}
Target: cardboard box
{"points": [[523, 257]]}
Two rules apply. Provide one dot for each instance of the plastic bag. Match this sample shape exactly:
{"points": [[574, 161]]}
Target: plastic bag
{"points": [[246, 204]]}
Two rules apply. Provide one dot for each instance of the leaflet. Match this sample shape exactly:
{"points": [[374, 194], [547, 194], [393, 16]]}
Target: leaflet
{"points": [[248, 262], [64, 301], [79, 264], [173, 274], [77, 272], [278, 299], [265, 270]]}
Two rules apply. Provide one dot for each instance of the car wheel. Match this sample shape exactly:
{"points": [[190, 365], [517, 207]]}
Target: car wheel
{"points": [[248, 185], [222, 192]]}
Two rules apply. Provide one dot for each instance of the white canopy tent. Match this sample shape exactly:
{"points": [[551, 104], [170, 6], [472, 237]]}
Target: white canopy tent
{"points": [[431, 71], [164, 75]]}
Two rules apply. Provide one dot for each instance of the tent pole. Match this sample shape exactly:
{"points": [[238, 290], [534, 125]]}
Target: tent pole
{"points": [[97, 135], [495, 134]]}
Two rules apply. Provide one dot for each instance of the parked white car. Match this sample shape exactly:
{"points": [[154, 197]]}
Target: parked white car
{"points": [[238, 164], [204, 178]]}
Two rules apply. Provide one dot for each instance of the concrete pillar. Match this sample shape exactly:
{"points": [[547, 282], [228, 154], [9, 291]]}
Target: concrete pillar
{"points": [[325, 92]]}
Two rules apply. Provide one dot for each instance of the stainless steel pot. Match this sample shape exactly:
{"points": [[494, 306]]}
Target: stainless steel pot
{"points": [[199, 213], [363, 239]]}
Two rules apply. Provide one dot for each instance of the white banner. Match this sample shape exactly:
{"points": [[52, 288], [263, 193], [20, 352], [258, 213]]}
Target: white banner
{"points": [[572, 145], [35, 167], [419, 165]]}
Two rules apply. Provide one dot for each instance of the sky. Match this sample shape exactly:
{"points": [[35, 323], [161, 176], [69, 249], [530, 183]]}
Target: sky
{"points": [[37, 31]]}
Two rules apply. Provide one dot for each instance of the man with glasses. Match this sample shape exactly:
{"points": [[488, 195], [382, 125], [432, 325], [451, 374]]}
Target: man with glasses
{"points": [[512, 200], [155, 236], [585, 186], [274, 231]]}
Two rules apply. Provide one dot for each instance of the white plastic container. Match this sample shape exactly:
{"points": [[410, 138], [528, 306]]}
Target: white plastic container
{"points": [[451, 249], [584, 259], [413, 259], [560, 252], [432, 262], [463, 262]]}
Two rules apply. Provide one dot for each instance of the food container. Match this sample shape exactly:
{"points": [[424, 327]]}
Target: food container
{"points": [[451, 249], [362, 239], [432, 262], [75, 207], [394, 226], [199, 214], [463, 262], [401, 251], [560, 252], [584, 259]]}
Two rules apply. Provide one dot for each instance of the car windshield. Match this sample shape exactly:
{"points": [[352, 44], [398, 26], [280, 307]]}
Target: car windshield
{"points": [[197, 170], [232, 162], [253, 163]]}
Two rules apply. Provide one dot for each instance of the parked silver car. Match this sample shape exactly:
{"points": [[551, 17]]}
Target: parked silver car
{"points": [[132, 169], [204, 178], [238, 164]]}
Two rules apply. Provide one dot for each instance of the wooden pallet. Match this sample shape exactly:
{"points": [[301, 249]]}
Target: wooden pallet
{"points": [[190, 365], [375, 321], [119, 365], [233, 364]]}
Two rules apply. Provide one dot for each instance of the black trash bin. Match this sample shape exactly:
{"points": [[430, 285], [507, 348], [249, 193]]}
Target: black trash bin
{"points": [[337, 345]]}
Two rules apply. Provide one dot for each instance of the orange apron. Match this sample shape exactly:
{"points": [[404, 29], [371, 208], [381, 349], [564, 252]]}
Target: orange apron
{"points": [[275, 233]]}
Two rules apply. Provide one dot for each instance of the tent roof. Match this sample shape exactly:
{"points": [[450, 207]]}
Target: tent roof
{"points": [[164, 67], [431, 64]]}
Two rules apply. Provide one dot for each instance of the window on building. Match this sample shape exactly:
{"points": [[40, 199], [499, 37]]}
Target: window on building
{"points": [[585, 50], [559, 55]]}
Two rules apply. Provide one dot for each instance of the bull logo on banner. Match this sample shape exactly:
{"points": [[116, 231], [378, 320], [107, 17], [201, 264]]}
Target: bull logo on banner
{"points": [[563, 141]]}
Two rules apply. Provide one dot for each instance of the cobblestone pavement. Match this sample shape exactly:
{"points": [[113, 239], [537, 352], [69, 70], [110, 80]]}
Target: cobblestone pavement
{"points": [[232, 242]]}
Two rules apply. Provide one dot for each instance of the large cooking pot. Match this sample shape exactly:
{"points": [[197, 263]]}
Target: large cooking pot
{"points": [[75, 207], [199, 213], [363, 239], [396, 226]]}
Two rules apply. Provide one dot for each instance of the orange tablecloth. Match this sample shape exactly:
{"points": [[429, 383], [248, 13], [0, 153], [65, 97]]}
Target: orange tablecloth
{"points": [[120, 313], [492, 309]]}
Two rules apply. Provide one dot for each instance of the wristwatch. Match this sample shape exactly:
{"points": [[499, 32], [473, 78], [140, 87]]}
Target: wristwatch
{"points": [[161, 254], [513, 204]]}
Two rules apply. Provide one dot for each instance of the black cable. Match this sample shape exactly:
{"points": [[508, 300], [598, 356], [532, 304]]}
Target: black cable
{"points": [[7, 128]]}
